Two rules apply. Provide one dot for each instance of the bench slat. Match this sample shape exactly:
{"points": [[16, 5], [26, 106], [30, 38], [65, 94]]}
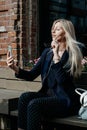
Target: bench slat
{"points": [[72, 120]]}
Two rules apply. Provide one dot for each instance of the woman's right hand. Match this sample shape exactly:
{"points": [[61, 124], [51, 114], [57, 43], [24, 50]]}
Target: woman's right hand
{"points": [[10, 60], [11, 63]]}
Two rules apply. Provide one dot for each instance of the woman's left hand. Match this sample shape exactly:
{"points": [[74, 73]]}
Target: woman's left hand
{"points": [[55, 46], [84, 60]]}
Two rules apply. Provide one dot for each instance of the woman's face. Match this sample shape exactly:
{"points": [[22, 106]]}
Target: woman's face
{"points": [[57, 32]]}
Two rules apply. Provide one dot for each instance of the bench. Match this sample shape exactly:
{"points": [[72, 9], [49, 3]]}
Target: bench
{"points": [[52, 124], [8, 102], [67, 122], [73, 121], [10, 90]]}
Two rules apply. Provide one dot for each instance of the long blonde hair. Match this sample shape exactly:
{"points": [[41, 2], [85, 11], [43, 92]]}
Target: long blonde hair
{"points": [[75, 54]]}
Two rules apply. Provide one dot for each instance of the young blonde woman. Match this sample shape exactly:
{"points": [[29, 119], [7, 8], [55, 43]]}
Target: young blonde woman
{"points": [[58, 66]]}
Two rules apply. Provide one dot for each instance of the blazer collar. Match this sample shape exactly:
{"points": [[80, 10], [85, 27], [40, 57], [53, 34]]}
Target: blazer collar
{"points": [[47, 62]]}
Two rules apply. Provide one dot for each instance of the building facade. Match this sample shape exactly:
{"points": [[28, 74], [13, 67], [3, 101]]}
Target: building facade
{"points": [[26, 25], [18, 28]]}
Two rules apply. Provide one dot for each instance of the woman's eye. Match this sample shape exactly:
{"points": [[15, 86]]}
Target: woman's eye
{"points": [[58, 29]]}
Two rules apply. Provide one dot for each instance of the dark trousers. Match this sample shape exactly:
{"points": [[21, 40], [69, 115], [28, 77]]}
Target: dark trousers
{"points": [[33, 106]]}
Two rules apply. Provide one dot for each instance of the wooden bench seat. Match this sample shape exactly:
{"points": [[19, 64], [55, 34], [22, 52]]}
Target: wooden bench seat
{"points": [[72, 120]]}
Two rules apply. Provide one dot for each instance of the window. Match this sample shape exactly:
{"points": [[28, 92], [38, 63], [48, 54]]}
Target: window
{"points": [[74, 10]]}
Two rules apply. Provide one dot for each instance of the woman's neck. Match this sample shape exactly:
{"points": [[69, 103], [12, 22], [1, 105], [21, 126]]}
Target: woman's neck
{"points": [[62, 46]]}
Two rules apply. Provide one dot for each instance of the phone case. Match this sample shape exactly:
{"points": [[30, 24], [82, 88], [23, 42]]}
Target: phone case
{"points": [[10, 50]]}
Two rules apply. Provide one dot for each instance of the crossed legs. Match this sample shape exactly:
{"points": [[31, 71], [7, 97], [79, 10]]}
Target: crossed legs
{"points": [[32, 106]]}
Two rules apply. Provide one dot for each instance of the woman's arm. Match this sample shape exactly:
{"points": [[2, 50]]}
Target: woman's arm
{"points": [[21, 73], [25, 74]]}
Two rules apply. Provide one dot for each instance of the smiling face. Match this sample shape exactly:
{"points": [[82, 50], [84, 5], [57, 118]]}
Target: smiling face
{"points": [[57, 32]]}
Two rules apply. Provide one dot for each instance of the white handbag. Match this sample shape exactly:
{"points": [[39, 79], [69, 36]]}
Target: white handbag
{"points": [[83, 100]]}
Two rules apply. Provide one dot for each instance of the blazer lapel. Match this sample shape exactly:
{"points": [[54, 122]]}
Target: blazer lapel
{"points": [[47, 62]]}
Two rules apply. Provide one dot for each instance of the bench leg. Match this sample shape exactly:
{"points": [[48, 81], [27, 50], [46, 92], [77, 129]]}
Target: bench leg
{"points": [[13, 123], [48, 126], [4, 122]]}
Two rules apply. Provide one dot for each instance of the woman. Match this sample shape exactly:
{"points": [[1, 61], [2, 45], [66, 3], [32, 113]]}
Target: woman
{"points": [[58, 66]]}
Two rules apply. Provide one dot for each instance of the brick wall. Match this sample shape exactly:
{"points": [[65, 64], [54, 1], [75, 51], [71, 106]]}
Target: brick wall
{"points": [[18, 27]]}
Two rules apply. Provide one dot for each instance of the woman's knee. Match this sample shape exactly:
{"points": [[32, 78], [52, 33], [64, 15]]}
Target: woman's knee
{"points": [[23, 97], [26, 97], [33, 104]]}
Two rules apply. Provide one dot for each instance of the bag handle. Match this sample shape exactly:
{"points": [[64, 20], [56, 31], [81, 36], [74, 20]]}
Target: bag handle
{"points": [[82, 98], [82, 93], [80, 90]]}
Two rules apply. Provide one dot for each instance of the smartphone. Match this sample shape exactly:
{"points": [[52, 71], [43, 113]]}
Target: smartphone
{"points": [[10, 50]]}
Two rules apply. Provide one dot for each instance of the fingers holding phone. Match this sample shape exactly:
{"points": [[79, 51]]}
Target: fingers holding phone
{"points": [[10, 59]]}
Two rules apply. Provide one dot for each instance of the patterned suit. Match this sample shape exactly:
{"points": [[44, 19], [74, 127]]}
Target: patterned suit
{"points": [[57, 97]]}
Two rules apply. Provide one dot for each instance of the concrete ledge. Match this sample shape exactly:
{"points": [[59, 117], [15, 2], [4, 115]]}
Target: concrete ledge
{"points": [[9, 81]]}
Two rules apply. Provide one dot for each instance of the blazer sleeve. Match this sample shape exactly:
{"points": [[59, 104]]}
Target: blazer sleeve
{"points": [[30, 75]]}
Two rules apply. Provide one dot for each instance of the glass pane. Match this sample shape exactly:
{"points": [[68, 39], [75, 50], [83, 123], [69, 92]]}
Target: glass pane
{"points": [[59, 1], [78, 4]]}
